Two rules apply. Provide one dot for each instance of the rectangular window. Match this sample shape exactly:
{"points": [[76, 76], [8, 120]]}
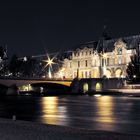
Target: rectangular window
{"points": [[102, 62], [89, 74], [86, 74], [78, 63], [82, 74], [86, 63], [120, 60], [107, 61]]}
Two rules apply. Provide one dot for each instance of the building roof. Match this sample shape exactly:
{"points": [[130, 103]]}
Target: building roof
{"points": [[131, 42], [108, 45]]}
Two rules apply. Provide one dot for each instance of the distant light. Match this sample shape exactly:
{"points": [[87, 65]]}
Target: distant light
{"points": [[25, 59], [134, 76], [104, 55], [97, 95]]}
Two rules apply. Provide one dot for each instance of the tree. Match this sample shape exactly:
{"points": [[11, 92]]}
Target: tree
{"points": [[29, 67], [2, 61], [1, 52], [133, 69], [14, 65]]}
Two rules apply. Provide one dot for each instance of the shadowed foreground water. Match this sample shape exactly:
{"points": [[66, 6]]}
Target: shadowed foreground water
{"points": [[110, 113]]}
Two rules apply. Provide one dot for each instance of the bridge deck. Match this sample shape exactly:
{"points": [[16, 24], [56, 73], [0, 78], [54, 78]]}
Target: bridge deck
{"points": [[20, 82]]}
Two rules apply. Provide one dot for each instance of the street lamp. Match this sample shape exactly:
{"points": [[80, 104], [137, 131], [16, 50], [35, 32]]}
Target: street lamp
{"points": [[49, 62], [134, 76]]}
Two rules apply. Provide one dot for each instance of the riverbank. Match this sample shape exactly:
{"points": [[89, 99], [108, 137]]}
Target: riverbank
{"points": [[21, 130]]}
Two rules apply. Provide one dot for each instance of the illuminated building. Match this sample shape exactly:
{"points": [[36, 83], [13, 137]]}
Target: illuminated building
{"points": [[107, 58]]}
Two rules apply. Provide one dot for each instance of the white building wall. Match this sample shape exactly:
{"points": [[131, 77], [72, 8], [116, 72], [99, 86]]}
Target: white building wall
{"points": [[87, 63]]}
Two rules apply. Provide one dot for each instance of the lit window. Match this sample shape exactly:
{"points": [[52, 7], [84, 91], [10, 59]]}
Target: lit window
{"points": [[118, 73], [119, 60], [86, 74]]}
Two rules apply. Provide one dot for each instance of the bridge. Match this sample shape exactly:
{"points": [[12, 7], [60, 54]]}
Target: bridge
{"points": [[23, 82]]}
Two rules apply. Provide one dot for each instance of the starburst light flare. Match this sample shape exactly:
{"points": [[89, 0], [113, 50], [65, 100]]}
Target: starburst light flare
{"points": [[49, 62]]}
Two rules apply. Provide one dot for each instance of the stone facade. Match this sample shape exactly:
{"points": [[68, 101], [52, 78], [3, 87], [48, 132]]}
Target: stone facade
{"points": [[111, 61]]}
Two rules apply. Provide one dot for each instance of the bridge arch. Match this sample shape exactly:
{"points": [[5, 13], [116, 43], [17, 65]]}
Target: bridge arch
{"points": [[98, 86], [85, 87]]}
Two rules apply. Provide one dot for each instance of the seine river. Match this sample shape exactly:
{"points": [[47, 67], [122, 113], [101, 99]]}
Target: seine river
{"points": [[110, 113]]}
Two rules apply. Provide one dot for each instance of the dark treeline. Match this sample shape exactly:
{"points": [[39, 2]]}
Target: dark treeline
{"points": [[26, 67]]}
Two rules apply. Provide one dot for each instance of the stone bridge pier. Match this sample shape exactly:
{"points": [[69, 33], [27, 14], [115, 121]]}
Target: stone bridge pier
{"points": [[96, 84]]}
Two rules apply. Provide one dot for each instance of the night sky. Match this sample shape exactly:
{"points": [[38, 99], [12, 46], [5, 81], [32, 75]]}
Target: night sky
{"points": [[37, 27]]}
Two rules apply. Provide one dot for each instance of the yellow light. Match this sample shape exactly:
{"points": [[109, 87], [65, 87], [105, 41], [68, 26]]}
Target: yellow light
{"points": [[63, 69], [50, 61], [105, 109], [50, 109], [104, 55], [49, 64], [52, 113]]}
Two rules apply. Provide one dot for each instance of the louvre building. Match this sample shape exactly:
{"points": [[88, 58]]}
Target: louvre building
{"points": [[96, 59]]}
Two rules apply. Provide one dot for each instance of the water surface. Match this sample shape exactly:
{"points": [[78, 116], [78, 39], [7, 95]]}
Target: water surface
{"points": [[110, 113]]}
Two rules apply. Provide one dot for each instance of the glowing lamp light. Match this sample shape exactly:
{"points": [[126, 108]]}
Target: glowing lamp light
{"points": [[49, 62], [104, 55], [97, 95]]}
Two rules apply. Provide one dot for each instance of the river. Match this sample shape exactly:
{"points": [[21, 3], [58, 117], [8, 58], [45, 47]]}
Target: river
{"points": [[109, 113]]}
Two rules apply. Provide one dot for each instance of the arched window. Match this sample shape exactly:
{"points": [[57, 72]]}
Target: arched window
{"points": [[118, 73], [108, 73]]}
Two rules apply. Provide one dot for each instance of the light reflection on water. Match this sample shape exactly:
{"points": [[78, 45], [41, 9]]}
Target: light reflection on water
{"points": [[105, 109], [120, 114], [52, 113]]}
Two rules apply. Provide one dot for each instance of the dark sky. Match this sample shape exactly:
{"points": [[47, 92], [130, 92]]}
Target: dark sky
{"points": [[34, 27]]}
